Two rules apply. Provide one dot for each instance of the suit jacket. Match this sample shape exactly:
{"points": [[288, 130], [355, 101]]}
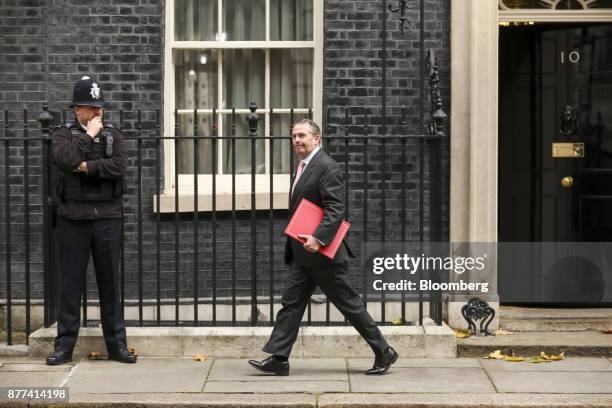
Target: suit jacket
{"points": [[322, 184]]}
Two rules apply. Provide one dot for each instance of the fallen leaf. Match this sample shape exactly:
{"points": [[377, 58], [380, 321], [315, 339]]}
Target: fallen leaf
{"points": [[557, 357], [462, 334], [538, 360], [398, 322], [513, 359], [502, 332], [544, 356], [93, 355], [199, 357], [496, 355], [607, 331]]}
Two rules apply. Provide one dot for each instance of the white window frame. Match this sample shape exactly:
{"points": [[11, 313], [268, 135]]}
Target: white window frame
{"points": [[243, 181]]}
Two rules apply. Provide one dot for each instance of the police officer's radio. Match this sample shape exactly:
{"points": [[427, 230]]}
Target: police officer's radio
{"points": [[108, 139]]}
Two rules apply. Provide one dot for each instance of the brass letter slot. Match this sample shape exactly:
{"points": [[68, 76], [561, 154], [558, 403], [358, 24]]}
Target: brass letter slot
{"points": [[568, 150]]}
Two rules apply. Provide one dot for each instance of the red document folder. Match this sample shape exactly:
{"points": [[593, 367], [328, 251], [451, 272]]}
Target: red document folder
{"points": [[306, 219]]}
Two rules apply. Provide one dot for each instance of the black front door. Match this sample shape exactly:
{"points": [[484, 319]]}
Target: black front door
{"points": [[555, 158]]}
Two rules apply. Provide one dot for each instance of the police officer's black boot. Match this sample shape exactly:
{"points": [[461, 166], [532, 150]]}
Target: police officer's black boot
{"points": [[123, 356], [59, 357]]}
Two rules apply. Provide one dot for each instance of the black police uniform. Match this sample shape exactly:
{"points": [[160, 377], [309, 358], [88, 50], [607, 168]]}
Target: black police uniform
{"points": [[89, 222]]}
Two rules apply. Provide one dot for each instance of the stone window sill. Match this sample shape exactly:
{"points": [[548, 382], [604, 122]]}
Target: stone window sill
{"points": [[223, 202]]}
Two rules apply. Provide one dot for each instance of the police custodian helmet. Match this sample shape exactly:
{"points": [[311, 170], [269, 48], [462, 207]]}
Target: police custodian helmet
{"points": [[87, 92]]}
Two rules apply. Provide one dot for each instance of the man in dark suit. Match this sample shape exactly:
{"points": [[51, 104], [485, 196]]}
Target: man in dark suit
{"points": [[319, 180]]}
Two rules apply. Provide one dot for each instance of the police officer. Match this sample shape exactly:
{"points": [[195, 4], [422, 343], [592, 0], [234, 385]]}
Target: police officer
{"points": [[91, 157]]}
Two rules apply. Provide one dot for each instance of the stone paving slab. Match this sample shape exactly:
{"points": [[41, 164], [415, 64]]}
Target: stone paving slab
{"points": [[333, 400], [420, 380], [552, 382], [156, 375], [362, 364], [31, 360], [329, 369], [570, 364], [148, 365], [462, 400], [265, 386], [31, 368], [39, 379], [417, 382]]}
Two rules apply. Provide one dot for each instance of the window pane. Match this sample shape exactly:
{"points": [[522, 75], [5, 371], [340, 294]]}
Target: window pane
{"points": [[569, 5], [195, 20], [243, 78], [291, 20], [195, 86], [242, 146], [602, 4], [185, 146], [282, 150], [291, 78], [195, 79], [526, 4], [244, 20]]}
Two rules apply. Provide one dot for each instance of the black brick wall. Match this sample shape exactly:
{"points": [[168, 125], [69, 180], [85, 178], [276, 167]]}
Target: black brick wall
{"points": [[47, 44], [353, 80]]}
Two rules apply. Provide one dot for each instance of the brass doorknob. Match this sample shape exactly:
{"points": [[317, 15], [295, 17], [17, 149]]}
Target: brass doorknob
{"points": [[567, 181]]}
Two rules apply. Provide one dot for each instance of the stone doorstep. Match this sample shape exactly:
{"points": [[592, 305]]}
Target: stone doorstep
{"points": [[555, 324], [16, 350], [531, 319], [242, 342], [582, 343]]}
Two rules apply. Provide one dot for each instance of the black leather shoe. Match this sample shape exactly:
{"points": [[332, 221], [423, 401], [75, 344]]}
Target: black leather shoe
{"points": [[59, 357], [382, 363], [123, 356], [271, 365]]}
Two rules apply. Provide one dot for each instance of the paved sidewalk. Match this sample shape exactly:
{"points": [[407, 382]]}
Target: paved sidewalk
{"points": [[452, 382]]}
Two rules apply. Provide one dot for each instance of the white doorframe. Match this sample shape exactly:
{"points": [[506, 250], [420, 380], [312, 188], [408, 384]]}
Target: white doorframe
{"points": [[474, 118]]}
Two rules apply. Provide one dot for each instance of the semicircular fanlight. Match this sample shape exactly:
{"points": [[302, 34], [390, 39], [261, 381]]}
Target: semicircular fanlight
{"points": [[554, 4]]}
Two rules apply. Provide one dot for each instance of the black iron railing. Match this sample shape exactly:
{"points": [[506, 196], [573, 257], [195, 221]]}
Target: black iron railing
{"points": [[183, 260], [359, 153]]}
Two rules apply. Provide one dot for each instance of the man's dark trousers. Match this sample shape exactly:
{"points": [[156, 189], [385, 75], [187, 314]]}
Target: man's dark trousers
{"points": [[334, 282], [76, 241]]}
